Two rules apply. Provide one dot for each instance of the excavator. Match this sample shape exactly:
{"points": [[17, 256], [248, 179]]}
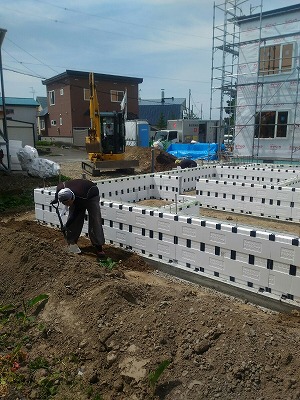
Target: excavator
{"points": [[105, 143]]}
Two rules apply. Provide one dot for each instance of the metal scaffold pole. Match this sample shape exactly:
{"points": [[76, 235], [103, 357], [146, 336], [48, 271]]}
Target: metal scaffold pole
{"points": [[225, 53], [3, 134]]}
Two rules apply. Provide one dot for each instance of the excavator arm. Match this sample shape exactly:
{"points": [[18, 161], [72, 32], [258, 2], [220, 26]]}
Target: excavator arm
{"points": [[93, 140]]}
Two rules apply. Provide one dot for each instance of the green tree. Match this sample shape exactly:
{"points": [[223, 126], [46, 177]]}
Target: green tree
{"points": [[162, 123]]}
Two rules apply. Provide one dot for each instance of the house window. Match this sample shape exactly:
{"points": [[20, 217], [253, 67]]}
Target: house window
{"points": [[61, 92], [42, 124], [53, 122], [116, 96], [51, 95], [276, 59], [86, 94], [271, 124]]}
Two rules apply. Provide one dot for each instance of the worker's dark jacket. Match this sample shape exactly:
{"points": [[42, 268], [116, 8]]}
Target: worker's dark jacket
{"points": [[84, 190], [186, 163]]}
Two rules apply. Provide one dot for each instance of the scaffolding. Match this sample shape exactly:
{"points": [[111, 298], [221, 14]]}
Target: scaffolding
{"points": [[225, 52], [229, 74]]}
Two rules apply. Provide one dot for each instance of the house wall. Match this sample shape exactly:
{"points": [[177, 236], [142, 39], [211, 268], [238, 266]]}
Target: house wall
{"points": [[60, 111], [276, 92], [22, 113]]}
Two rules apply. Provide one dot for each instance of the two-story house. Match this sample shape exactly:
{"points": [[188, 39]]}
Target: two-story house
{"points": [[268, 96], [69, 95]]}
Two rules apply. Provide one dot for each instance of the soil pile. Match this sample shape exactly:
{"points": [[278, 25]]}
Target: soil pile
{"points": [[106, 327], [104, 330]]}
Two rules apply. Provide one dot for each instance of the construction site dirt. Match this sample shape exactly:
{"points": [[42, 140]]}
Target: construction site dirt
{"points": [[106, 330]]}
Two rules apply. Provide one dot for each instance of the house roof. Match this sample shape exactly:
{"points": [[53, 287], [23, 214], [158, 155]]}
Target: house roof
{"points": [[168, 102], [42, 101], [152, 109], [99, 77], [20, 101], [271, 13], [43, 112]]}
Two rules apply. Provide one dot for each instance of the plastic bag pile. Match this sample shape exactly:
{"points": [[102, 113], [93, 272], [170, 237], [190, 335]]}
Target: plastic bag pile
{"points": [[36, 166]]}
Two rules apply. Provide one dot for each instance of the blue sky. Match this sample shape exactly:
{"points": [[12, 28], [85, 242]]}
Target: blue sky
{"points": [[168, 43]]}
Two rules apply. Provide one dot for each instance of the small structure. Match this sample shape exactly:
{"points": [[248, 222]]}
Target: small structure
{"points": [[21, 115]]}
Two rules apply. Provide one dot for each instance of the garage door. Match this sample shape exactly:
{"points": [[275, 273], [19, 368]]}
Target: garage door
{"points": [[79, 135]]}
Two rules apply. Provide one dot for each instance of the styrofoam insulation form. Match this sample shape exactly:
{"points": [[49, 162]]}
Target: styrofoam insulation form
{"points": [[268, 175], [276, 202], [260, 262]]}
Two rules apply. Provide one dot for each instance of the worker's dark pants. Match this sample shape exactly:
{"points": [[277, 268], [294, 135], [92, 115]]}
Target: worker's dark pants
{"points": [[95, 229]]}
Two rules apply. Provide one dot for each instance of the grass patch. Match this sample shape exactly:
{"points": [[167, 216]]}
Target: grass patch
{"points": [[23, 199]]}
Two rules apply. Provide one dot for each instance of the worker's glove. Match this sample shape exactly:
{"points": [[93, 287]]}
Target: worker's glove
{"points": [[54, 201]]}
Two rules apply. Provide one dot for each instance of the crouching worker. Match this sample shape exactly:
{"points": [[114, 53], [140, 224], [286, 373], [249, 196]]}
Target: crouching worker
{"points": [[81, 195], [186, 163]]}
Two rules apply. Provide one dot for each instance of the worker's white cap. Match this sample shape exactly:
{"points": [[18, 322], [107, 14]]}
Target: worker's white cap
{"points": [[65, 195]]}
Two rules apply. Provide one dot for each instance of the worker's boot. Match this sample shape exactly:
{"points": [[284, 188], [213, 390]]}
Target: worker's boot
{"points": [[99, 251], [73, 248]]}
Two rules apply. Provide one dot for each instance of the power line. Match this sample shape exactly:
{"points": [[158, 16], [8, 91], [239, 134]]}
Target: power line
{"points": [[116, 33], [19, 62], [23, 73], [118, 21], [25, 51]]}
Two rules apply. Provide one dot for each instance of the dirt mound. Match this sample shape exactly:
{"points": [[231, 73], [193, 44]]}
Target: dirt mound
{"points": [[106, 327], [147, 157], [103, 330]]}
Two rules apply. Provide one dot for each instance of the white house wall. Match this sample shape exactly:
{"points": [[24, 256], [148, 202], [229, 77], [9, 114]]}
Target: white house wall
{"points": [[270, 94]]}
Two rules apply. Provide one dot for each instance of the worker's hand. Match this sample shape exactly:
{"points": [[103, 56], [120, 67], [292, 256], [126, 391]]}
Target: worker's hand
{"points": [[54, 201]]}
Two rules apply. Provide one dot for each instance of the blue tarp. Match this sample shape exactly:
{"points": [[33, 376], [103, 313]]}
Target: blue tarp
{"points": [[194, 151]]}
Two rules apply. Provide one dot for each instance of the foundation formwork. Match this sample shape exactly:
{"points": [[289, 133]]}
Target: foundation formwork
{"points": [[260, 263]]}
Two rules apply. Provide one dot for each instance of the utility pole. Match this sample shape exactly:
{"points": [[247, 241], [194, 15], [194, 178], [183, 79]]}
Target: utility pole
{"points": [[189, 103]]}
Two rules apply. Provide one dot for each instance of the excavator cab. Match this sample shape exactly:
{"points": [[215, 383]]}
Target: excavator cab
{"points": [[112, 132]]}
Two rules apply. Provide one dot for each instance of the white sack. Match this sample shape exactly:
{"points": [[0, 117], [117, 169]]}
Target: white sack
{"points": [[26, 155], [36, 166], [43, 168]]}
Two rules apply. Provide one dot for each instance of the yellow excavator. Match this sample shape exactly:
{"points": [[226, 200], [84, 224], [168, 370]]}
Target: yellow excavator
{"points": [[105, 143]]}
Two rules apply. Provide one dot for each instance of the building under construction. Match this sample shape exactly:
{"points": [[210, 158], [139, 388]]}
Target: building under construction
{"points": [[255, 79]]}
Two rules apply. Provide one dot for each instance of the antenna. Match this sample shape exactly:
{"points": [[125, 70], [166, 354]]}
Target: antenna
{"points": [[32, 91]]}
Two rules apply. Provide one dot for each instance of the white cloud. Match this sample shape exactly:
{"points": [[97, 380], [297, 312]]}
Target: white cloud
{"points": [[168, 43]]}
